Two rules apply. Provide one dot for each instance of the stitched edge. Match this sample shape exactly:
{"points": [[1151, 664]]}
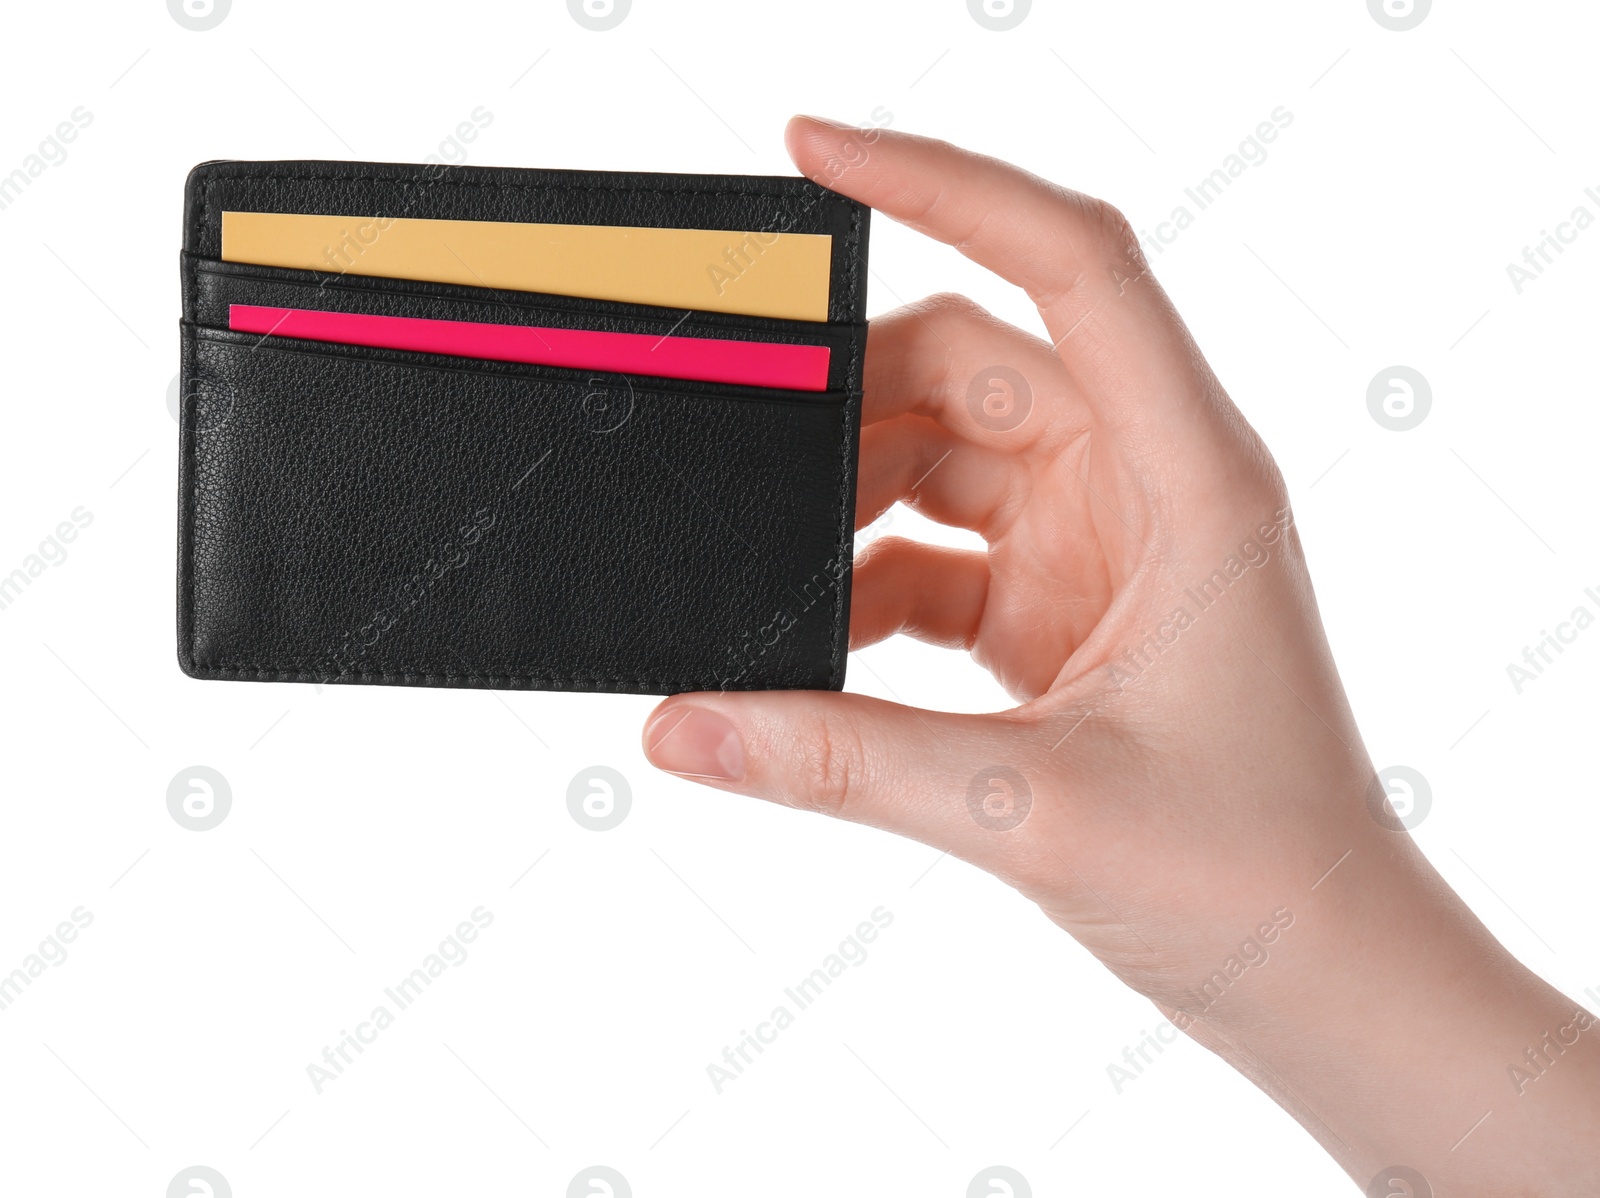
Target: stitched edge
{"points": [[187, 370], [846, 516], [843, 548], [300, 674], [778, 191]]}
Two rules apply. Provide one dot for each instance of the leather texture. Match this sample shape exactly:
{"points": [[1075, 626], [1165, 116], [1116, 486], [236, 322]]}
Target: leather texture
{"points": [[350, 514]]}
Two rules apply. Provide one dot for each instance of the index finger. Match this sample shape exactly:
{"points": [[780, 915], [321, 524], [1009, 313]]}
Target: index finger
{"points": [[1075, 256]]}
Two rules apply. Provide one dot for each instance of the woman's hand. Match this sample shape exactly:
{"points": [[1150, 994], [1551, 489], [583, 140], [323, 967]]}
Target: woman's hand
{"points": [[1183, 787]]}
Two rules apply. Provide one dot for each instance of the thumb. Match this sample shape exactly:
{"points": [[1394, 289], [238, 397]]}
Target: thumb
{"points": [[961, 783]]}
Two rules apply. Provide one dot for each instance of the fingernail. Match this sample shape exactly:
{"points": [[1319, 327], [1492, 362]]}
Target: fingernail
{"points": [[824, 120], [696, 743]]}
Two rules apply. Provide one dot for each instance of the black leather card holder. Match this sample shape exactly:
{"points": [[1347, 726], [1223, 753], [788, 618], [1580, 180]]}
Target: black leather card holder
{"points": [[357, 514]]}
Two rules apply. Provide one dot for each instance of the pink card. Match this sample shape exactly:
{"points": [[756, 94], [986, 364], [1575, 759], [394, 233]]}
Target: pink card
{"points": [[702, 359]]}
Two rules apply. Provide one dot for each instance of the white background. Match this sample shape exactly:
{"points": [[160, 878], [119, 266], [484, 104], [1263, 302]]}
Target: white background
{"points": [[367, 822]]}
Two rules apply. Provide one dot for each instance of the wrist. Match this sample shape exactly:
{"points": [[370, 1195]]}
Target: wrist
{"points": [[1399, 1032]]}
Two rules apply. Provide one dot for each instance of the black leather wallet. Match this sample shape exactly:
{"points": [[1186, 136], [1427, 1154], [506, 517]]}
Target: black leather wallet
{"points": [[356, 513]]}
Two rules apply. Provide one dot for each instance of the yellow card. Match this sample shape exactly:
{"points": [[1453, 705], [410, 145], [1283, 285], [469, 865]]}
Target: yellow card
{"points": [[781, 275]]}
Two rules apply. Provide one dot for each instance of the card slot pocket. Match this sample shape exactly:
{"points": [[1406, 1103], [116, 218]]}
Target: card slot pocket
{"points": [[447, 364], [506, 298], [529, 196], [217, 287], [355, 515]]}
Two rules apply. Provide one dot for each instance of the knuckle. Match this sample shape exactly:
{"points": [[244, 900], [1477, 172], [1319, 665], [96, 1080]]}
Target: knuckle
{"points": [[886, 550], [1267, 483], [941, 316], [1114, 222], [1277, 488], [951, 306], [1108, 227], [1102, 215], [1120, 238], [829, 769], [1032, 871]]}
